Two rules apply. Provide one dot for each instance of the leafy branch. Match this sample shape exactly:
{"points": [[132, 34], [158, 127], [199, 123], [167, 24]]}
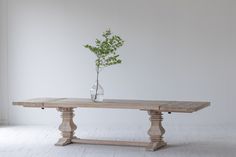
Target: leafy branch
{"points": [[106, 51]]}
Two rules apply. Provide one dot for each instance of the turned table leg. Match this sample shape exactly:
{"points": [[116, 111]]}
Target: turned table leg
{"points": [[156, 131], [67, 126]]}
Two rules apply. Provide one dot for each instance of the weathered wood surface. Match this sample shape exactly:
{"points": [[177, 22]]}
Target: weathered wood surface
{"points": [[154, 109], [163, 106], [67, 126], [110, 142]]}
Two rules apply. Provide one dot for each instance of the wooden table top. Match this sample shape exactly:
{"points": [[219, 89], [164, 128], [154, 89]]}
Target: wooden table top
{"points": [[163, 106]]}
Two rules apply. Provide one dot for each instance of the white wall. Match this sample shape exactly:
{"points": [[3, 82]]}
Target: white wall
{"points": [[3, 63], [174, 50]]}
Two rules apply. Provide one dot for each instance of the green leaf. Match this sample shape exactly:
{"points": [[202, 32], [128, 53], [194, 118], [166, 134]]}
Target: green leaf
{"points": [[106, 50]]}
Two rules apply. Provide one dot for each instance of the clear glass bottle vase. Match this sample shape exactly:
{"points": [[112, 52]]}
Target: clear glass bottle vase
{"points": [[97, 92]]}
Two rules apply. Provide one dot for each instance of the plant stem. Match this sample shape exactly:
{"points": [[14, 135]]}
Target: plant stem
{"points": [[96, 94]]}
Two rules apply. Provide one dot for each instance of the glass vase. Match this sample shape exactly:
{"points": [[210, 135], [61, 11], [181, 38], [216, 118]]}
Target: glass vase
{"points": [[97, 92]]}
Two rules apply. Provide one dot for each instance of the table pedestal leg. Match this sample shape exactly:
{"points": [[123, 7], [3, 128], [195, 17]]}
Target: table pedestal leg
{"points": [[156, 131], [67, 126]]}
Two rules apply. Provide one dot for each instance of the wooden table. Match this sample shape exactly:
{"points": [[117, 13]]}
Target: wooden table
{"points": [[154, 108]]}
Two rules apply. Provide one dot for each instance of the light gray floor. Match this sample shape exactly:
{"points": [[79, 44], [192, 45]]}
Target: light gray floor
{"points": [[37, 141]]}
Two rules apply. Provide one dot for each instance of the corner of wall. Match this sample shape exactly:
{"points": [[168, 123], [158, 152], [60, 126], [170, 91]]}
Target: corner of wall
{"points": [[4, 95]]}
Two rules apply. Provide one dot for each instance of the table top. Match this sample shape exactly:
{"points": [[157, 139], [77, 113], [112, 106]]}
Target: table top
{"points": [[163, 106]]}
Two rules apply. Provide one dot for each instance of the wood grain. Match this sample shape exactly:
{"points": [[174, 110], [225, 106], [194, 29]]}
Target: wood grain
{"points": [[110, 142], [163, 106], [155, 108], [67, 126], [156, 131]]}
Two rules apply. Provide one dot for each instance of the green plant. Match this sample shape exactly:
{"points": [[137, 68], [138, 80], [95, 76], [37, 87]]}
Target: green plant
{"points": [[106, 51]]}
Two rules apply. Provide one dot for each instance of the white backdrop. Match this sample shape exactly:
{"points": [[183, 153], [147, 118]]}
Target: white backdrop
{"points": [[174, 50]]}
